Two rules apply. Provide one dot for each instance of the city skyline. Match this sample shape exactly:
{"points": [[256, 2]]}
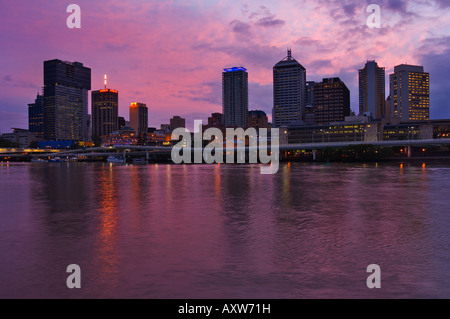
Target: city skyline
{"points": [[186, 81]]}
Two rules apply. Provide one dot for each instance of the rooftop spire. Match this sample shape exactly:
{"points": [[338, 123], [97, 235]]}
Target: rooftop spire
{"points": [[289, 54]]}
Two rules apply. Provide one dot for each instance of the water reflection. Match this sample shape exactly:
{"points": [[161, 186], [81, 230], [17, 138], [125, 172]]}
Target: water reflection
{"points": [[106, 193], [210, 231]]}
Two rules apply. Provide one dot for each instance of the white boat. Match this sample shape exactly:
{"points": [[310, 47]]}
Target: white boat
{"points": [[113, 159], [55, 160]]}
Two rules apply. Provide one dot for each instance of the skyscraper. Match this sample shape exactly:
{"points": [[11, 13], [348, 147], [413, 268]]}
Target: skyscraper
{"points": [[372, 95], [289, 91], [139, 117], [36, 116], [332, 101], [235, 96], [410, 93], [105, 112], [66, 86]]}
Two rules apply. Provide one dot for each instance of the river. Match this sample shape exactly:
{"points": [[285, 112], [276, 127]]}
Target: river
{"points": [[224, 231]]}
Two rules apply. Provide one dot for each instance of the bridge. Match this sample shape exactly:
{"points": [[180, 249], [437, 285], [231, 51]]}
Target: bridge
{"points": [[134, 150]]}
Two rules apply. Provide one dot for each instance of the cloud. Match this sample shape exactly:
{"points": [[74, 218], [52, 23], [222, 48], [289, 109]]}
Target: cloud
{"points": [[240, 27], [170, 54], [321, 64], [210, 92], [270, 22], [116, 47], [259, 18]]}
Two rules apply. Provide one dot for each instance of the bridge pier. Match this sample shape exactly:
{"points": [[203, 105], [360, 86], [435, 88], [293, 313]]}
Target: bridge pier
{"points": [[314, 155], [409, 151]]}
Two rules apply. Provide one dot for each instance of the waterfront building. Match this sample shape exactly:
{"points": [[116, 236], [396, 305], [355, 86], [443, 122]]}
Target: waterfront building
{"points": [[235, 97], [105, 112], [336, 132], [66, 86], [36, 116], [289, 91], [20, 137], [410, 93], [372, 95], [332, 101], [124, 136], [139, 117]]}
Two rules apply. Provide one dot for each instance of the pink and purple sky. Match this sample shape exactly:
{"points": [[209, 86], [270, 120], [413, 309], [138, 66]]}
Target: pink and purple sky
{"points": [[170, 54]]}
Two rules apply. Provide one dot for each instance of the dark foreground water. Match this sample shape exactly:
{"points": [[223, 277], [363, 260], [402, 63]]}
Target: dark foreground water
{"points": [[165, 231]]}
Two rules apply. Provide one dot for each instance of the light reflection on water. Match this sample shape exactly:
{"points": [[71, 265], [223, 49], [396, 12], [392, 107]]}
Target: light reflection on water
{"points": [[210, 231]]}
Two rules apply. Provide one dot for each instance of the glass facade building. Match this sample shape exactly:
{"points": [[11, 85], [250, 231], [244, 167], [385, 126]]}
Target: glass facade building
{"points": [[235, 97], [105, 112], [372, 90], [410, 93], [289, 92], [66, 87], [332, 101], [139, 117], [36, 116]]}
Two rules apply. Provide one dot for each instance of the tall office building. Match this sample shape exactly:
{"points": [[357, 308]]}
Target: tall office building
{"points": [[36, 116], [332, 101], [235, 96], [410, 93], [105, 112], [66, 86], [139, 117], [372, 95], [289, 91]]}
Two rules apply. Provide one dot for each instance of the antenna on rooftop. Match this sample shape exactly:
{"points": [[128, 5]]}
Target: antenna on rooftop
{"points": [[106, 78]]}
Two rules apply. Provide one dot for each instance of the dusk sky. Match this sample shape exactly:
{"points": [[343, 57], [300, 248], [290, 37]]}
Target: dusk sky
{"points": [[170, 54]]}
